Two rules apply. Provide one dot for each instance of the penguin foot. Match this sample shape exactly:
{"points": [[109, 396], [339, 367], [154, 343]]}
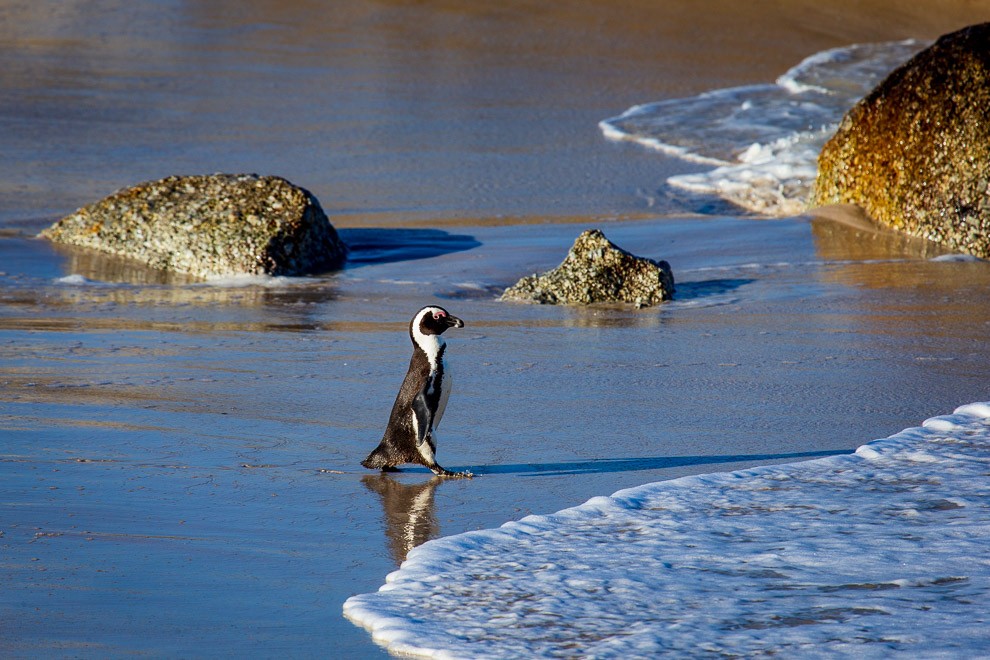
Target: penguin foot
{"points": [[443, 472]]}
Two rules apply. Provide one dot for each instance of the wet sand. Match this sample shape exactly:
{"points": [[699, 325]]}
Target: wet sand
{"points": [[180, 461]]}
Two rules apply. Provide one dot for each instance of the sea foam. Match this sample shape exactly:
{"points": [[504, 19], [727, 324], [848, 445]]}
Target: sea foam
{"points": [[75, 280], [763, 140], [862, 555]]}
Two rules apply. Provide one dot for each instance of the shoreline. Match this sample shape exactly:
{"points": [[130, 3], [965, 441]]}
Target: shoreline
{"points": [[793, 558]]}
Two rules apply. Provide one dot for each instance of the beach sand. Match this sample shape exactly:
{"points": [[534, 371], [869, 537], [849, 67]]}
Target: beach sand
{"points": [[180, 461]]}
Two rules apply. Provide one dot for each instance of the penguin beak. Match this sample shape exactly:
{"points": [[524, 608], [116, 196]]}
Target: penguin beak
{"points": [[453, 322]]}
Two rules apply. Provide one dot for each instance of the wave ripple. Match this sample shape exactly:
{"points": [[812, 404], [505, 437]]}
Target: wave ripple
{"points": [[763, 140]]}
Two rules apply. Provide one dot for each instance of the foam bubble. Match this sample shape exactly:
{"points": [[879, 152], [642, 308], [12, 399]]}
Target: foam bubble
{"points": [[248, 280], [77, 280]]}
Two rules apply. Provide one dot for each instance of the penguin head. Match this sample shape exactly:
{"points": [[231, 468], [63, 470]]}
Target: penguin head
{"points": [[433, 320]]}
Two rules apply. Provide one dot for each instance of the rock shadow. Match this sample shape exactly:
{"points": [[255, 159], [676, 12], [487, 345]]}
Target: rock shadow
{"points": [[370, 246], [367, 247], [708, 288]]}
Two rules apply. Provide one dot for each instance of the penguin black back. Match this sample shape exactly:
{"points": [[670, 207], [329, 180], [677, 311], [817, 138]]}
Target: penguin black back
{"points": [[410, 436]]}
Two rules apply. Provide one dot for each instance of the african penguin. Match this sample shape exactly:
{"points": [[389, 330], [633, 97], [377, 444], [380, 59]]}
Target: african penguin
{"points": [[411, 433]]}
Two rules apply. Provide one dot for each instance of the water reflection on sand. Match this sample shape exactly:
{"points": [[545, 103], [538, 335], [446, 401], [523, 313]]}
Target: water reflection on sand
{"points": [[410, 518]]}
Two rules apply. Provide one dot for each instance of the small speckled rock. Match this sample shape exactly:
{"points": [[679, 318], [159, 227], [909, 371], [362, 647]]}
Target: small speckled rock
{"points": [[221, 224], [915, 152], [595, 270]]}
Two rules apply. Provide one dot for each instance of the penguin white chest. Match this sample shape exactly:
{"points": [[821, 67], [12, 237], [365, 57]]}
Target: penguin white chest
{"points": [[438, 384], [445, 382]]}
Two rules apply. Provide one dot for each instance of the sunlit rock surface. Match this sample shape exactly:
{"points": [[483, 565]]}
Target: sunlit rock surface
{"points": [[221, 224], [915, 152], [595, 270]]}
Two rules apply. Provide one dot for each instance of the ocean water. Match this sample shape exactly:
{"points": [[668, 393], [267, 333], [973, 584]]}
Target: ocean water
{"points": [[179, 466], [877, 553], [763, 140]]}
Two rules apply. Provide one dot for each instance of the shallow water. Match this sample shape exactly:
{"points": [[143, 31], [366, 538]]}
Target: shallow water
{"points": [[179, 464]]}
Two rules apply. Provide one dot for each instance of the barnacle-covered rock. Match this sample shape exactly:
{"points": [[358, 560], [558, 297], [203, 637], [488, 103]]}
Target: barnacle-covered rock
{"points": [[220, 224], [595, 270], [915, 152]]}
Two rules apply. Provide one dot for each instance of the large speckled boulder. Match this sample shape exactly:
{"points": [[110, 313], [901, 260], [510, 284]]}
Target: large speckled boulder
{"points": [[594, 271], [915, 153], [221, 224]]}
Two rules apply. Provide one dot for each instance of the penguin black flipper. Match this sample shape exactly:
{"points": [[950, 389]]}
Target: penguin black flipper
{"points": [[424, 418]]}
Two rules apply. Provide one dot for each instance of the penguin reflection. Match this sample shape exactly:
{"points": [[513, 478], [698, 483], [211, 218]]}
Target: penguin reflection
{"points": [[410, 519]]}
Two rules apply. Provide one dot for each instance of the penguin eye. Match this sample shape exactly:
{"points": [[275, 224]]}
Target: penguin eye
{"points": [[438, 315]]}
